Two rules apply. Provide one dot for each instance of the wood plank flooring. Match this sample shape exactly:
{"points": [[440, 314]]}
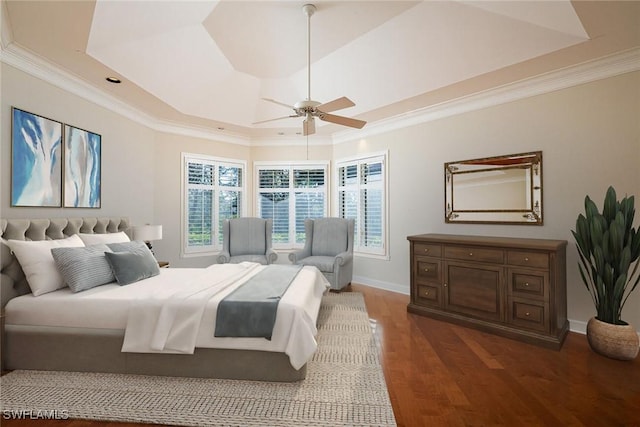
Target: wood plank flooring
{"points": [[439, 374]]}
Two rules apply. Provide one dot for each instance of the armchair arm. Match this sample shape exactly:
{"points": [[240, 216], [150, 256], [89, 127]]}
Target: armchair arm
{"points": [[272, 256], [344, 258], [296, 256], [224, 257]]}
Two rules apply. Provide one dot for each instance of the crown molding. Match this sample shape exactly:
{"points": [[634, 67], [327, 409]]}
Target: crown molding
{"points": [[601, 68], [36, 66], [6, 33], [273, 141]]}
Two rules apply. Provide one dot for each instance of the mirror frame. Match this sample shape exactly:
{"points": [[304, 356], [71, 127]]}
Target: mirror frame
{"points": [[532, 215]]}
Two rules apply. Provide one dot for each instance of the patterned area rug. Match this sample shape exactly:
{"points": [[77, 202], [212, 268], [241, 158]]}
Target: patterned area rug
{"points": [[344, 386]]}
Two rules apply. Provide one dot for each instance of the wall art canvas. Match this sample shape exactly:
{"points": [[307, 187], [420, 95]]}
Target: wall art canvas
{"points": [[82, 157], [36, 160]]}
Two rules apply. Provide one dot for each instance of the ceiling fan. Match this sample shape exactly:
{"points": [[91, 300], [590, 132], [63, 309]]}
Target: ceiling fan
{"points": [[310, 109]]}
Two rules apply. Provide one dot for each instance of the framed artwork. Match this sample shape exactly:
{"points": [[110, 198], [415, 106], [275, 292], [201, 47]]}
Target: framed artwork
{"points": [[36, 160], [82, 170]]}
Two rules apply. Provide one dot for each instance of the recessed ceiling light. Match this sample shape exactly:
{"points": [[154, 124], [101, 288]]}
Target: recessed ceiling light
{"points": [[113, 80]]}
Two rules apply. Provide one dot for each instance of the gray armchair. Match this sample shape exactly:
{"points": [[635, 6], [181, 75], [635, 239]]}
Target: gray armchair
{"points": [[329, 246], [247, 239]]}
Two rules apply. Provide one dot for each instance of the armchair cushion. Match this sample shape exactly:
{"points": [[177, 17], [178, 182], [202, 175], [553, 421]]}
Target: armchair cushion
{"points": [[324, 263]]}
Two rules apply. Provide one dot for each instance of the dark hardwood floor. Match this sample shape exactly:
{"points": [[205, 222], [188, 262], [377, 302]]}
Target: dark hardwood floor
{"points": [[442, 374]]}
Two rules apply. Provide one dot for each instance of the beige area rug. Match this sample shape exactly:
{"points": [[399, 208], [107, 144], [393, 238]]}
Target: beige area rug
{"points": [[345, 386]]}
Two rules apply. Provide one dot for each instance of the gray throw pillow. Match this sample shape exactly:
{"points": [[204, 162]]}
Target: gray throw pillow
{"points": [[83, 268], [131, 262]]}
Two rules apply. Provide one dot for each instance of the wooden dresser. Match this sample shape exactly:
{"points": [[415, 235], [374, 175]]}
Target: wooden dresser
{"points": [[511, 287]]}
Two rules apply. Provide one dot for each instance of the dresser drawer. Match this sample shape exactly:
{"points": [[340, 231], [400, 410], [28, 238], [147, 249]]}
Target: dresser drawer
{"points": [[528, 259], [428, 269], [474, 254], [528, 315], [528, 284], [425, 249], [428, 295]]}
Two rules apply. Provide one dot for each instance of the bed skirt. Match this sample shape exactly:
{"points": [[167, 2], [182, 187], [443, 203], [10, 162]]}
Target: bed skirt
{"points": [[98, 350]]}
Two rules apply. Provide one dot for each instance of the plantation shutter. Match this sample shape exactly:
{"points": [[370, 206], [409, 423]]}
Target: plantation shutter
{"points": [[230, 182], [274, 201], [288, 195], [214, 191], [310, 202], [361, 196], [200, 192]]}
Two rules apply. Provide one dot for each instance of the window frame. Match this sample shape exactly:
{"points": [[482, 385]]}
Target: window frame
{"points": [[291, 166], [358, 160], [185, 249]]}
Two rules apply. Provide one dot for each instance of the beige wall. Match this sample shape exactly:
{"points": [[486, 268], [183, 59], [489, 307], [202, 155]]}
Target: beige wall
{"points": [[128, 164], [590, 139], [168, 190], [589, 136]]}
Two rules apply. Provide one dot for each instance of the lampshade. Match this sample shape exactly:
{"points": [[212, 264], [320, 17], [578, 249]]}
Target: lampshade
{"points": [[147, 232]]}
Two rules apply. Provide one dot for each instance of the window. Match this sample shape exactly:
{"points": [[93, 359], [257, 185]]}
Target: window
{"points": [[213, 191], [288, 195], [361, 193]]}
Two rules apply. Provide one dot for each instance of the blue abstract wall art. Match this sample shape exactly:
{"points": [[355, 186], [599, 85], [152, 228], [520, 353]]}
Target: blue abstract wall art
{"points": [[36, 160], [82, 156]]}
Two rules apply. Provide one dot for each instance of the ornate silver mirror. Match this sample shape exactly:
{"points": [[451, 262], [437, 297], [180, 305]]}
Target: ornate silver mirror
{"points": [[502, 189]]}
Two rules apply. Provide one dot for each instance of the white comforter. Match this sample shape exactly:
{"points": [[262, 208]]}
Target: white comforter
{"points": [[176, 311]]}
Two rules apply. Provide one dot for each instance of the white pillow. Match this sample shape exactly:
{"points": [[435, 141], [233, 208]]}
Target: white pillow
{"points": [[37, 262], [97, 239]]}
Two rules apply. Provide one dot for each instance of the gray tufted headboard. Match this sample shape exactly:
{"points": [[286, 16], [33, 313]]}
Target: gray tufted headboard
{"points": [[12, 280]]}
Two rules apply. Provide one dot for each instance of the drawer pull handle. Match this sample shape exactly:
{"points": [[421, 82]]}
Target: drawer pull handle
{"points": [[470, 253], [526, 258], [426, 250], [445, 285], [426, 269], [426, 293], [527, 314], [526, 284]]}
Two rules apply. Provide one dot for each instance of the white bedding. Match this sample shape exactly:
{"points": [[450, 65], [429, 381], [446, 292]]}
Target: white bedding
{"points": [[113, 307]]}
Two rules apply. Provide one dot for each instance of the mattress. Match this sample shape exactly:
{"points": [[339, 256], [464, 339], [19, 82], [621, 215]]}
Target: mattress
{"points": [[108, 307]]}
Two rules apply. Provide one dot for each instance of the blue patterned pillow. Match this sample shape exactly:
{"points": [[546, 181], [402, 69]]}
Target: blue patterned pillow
{"points": [[83, 268]]}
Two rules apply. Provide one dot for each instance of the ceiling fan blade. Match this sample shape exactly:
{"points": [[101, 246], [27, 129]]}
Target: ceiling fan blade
{"points": [[273, 120], [345, 121], [308, 126], [336, 104], [278, 102]]}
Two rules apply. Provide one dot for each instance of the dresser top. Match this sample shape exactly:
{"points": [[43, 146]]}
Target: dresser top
{"points": [[505, 242]]}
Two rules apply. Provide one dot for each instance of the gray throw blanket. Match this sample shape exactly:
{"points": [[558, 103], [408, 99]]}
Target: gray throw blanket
{"points": [[250, 310]]}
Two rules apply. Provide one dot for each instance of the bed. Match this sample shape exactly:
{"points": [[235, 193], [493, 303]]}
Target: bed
{"points": [[91, 330]]}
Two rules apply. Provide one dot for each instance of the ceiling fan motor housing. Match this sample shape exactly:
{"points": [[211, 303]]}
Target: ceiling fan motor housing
{"points": [[306, 106]]}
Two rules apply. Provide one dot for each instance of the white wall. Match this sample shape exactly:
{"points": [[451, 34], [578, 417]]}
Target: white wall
{"points": [[589, 136]]}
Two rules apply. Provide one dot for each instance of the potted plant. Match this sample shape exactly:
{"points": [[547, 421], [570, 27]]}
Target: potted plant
{"points": [[609, 248]]}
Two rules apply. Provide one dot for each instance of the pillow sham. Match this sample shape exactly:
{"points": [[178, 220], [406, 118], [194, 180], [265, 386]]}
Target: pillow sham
{"points": [[95, 239], [37, 262], [83, 268], [131, 262]]}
